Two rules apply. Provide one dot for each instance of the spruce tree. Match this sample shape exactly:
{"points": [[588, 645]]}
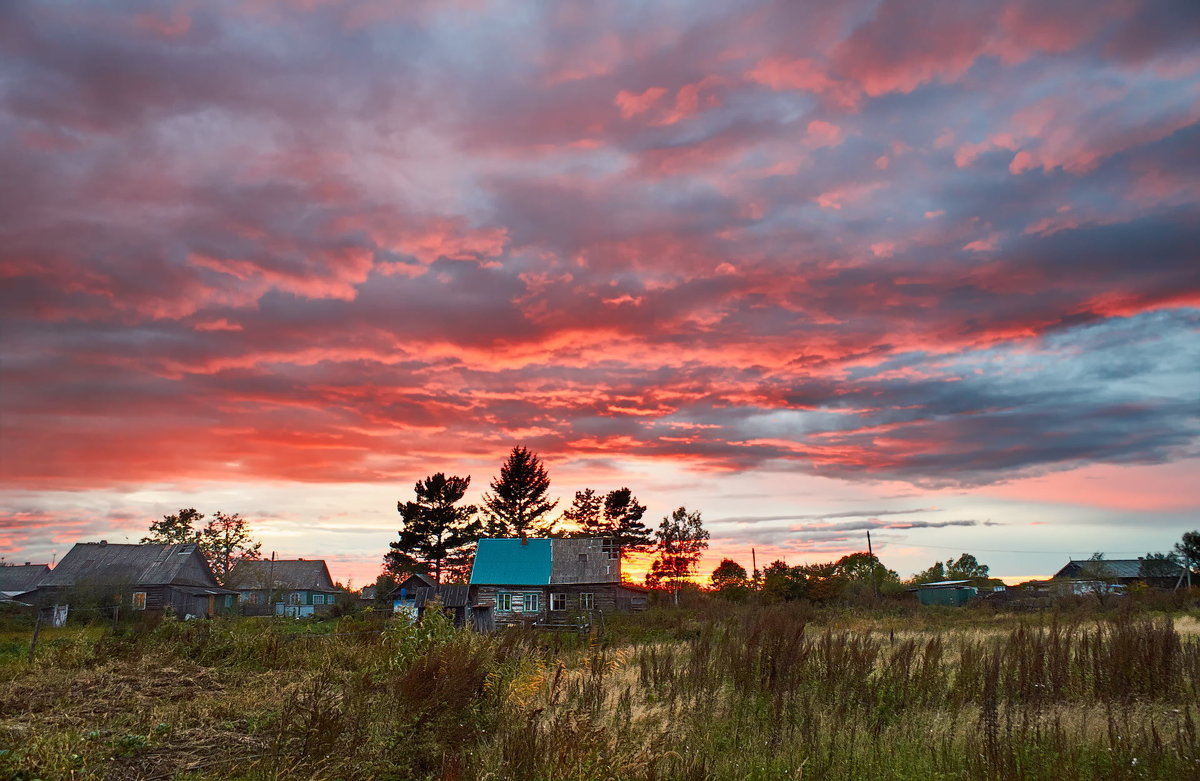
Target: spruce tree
{"points": [[517, 505]]}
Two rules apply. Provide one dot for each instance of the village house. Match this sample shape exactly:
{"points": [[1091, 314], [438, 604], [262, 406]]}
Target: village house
{"points": [[17, 580], [404, 596], [1155, 573], [550, 581], [140, 577], [297, 588]]}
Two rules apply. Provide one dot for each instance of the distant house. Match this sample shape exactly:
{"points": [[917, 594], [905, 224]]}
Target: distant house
{"points": [[298, 588], [141, 577], [404, 596], [17, 580], [954, 593], [546, 581], [1156, 573]]}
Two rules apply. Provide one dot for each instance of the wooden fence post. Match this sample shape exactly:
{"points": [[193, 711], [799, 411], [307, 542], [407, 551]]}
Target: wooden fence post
{"points": [[37, 629]]}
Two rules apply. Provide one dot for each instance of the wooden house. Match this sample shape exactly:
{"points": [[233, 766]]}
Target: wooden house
{"points": [[550, 581], [298, 588], [140, 577], [1156, 573], [17, 580]]}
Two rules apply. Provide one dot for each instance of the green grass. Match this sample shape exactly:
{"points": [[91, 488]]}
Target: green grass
{"points": [[713, 691]]}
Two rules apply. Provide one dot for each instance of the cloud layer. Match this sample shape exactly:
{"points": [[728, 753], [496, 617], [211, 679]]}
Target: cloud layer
{"points": [[946, 244]]}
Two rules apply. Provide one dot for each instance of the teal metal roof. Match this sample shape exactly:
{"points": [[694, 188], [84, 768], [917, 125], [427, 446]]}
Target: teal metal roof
{"points": [[508, 562]]}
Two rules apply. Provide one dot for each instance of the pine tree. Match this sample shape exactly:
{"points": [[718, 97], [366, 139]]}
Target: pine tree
{"points": [[438, 535], [584, 512], [623, 521], [517, 505]]}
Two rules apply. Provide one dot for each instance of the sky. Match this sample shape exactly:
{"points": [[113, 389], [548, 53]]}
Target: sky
{"points": [[925, 268]]}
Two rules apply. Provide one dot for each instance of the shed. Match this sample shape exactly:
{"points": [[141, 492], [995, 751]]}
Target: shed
{"points": [[404, 596], [955, 593]]}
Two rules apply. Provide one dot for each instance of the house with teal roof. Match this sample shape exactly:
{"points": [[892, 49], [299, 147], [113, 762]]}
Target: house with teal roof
{"points": [[546, 581]]}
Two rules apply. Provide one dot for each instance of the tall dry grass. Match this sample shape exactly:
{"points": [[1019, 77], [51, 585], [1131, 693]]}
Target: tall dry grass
{"points": [[745, 693]]}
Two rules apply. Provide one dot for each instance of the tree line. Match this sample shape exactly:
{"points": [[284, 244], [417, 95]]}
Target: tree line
{"points": [[439, 532]]}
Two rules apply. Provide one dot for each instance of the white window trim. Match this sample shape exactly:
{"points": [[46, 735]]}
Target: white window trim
{"points": [[587, 601], [502, 597], [134, 600], [535, 598]]}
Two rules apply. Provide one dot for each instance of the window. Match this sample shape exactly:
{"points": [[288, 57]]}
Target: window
{"points": [[611, 548], [533, 603], [587, 601], [251, 597], [504, 601], [296, 598], [582, 557], [139, 600], [558, 601], [318, 599]]}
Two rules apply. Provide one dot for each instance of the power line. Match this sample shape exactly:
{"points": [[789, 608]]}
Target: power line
{"points": [[969, 548]]}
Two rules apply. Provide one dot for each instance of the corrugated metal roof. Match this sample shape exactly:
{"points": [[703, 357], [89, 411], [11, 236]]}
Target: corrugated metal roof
{"points": [[512, 562], [307, 574], [451, 596], [940, 584], [20, 578], [147, 564]]}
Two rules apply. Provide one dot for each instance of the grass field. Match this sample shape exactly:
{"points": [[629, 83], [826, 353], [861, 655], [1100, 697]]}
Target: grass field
{"points": [[708, 692]]}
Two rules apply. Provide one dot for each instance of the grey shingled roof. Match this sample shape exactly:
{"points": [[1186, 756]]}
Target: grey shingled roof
{"points": [[146, 565], [20, 578], [1120, 568], [307, 574]]}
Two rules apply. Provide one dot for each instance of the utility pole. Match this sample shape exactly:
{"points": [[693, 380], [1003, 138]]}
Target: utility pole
{"points": [[874, 565], [271, 583]]}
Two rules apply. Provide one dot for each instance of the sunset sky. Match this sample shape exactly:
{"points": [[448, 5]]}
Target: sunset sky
{"points": [[925, 267]]}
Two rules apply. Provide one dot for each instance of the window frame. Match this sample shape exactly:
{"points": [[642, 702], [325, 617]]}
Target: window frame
{"points": [[587, 600], [532, 602], [559, 598], [134, 600], [504, 602]]}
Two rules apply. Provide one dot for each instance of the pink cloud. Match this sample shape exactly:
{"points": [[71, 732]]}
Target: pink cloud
{"points": [[632, 104]]}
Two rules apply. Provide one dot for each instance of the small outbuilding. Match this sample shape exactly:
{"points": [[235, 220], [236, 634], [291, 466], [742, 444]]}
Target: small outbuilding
{"points": [[954, 593], [404, 596]]}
